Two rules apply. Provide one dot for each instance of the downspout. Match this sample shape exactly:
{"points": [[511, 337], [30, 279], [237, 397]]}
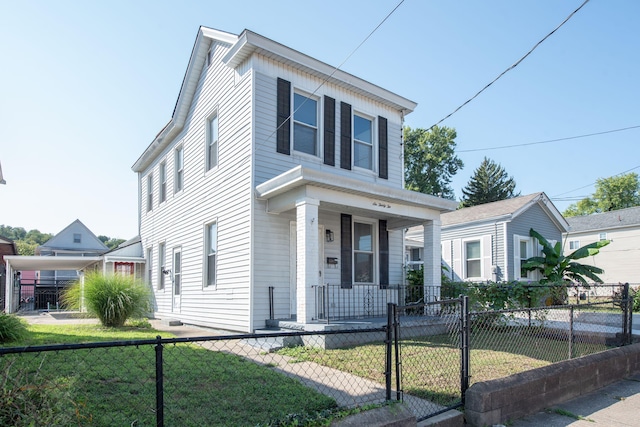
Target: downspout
{"points": [[402, 149]]}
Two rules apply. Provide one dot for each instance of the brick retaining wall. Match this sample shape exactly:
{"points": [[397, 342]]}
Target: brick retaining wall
{"points": [[513, 397]]}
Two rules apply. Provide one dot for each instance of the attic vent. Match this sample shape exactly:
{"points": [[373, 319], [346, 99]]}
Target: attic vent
{"points": [[77, 238]]}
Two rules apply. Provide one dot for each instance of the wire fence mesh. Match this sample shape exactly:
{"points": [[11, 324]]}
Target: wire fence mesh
{"points": [[424, 354]]}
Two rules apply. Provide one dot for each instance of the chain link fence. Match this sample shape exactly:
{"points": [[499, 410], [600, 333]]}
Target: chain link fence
{"points": [[423, 354]]}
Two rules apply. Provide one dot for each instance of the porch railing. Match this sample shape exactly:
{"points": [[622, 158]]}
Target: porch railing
{"points": [[338, 303]]}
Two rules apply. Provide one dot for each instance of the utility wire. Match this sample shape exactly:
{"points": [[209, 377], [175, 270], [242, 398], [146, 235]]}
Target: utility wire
{"points": [[593, 183], [511, 67], [550, 140]]}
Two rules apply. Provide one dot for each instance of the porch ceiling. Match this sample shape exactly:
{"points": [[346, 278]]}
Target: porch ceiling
{"points": [[403, 208]]}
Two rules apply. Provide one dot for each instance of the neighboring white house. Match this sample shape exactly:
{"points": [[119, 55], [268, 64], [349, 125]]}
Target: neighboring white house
{"points": [[277, 176], [619, 259], [488, 242]]}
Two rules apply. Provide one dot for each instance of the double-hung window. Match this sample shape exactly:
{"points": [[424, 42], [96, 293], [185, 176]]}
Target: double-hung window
{"points": [[473, 259], [211, 253], [179, 172], [149, 192], [363, 252], [574, 244], [212, 141], [305, 124], [362, 142], [163, 182], [149, 262], [161, 265]]}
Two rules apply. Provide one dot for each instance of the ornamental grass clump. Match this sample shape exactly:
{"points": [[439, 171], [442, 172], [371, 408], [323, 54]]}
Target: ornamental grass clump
{"points": [[12, 328], [111, 298]]}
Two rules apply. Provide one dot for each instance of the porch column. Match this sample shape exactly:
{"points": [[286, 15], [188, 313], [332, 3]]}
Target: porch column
{"points": [[432, 255], [8, 289], [307, 272]]}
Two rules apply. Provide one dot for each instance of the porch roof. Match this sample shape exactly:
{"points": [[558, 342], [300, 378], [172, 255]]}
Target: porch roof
{"points": [[402, 207], [29, 263]]}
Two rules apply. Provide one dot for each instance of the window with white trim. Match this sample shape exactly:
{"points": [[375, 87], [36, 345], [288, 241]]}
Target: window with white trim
{"points": [[473, 259], [523, 249], [305, 124], [363, 252], [149, 192], [574, 244], [362, 142], [211, 255], [177, 271], [161, 265], [149, 261], [179, 170], [603, 236], [163, 182], [212, 141]]}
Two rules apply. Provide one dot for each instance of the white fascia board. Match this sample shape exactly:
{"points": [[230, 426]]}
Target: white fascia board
{"points": [[29, 263], [249, 42], [299, 175]]}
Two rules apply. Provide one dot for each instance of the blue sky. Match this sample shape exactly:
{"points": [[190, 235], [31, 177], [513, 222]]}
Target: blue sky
{"points": [[86, 85]]}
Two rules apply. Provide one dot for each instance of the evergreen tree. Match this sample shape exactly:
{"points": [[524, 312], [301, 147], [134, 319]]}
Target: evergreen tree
{"points": [[489, 183]]}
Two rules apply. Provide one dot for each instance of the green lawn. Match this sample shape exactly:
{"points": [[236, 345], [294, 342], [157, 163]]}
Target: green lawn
{"points": [[116, 386]]}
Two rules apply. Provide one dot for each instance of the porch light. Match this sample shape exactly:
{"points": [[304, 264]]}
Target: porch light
{"points": [[328, 234]]}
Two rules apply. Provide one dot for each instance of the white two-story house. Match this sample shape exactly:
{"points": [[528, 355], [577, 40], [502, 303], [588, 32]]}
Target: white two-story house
{"points": [[276, 190]]}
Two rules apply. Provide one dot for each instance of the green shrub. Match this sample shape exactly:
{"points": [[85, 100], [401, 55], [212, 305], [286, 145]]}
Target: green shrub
{"points": [[12, 328], [111, 298]]}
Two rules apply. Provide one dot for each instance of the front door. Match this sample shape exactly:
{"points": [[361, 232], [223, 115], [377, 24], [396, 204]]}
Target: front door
{"points": [[293, 285]]}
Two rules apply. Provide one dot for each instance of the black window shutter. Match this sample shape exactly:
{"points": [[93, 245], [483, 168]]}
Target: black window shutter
{"points": [[345, 135], [346, 274], [383, 153], [329, 131], [283, 123], [383, 236]]}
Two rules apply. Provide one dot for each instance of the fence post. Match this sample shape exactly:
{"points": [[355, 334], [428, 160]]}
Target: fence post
{"points": [[626, 310], [465, 350], [570, 332], [159, 385], [396, 340], [388, 342]]}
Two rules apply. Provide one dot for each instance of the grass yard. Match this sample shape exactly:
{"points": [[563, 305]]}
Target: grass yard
{"points": [[116, 386], [431, 365]]}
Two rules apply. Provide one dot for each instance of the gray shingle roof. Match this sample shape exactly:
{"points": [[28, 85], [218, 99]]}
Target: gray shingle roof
{"points": [[487, 210], [605, 220]]}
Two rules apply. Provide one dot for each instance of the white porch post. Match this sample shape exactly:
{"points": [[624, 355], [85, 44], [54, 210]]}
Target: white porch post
{"points": [[307, 271], [432, 255], [8, 289]]}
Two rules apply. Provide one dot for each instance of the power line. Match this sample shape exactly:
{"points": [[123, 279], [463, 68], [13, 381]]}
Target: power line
{"points": [[511, 67], [550, 140], [593, 183]]}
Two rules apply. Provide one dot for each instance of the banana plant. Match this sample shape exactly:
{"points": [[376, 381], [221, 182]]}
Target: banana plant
{"points": [[557, 268]]}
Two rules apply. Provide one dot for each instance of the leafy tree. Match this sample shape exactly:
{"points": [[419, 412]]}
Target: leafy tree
{"points": [[489, 183], [110, 242], [557, 268], [613, 193], [26, 249], [430, 160]]}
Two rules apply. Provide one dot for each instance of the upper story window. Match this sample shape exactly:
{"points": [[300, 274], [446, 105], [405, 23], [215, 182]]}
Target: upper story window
{"points": [[77, 238], [163, 182], [362, 142], [305, 124], [179, 172], [149, 192], [603, 236], [212, 141], [574, 244]]}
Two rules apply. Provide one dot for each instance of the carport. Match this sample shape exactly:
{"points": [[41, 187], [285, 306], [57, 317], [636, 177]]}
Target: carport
{"points": [[15, 263]]}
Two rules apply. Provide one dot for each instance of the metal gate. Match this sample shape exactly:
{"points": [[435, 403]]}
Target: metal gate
{"points": [[431, 352]]}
